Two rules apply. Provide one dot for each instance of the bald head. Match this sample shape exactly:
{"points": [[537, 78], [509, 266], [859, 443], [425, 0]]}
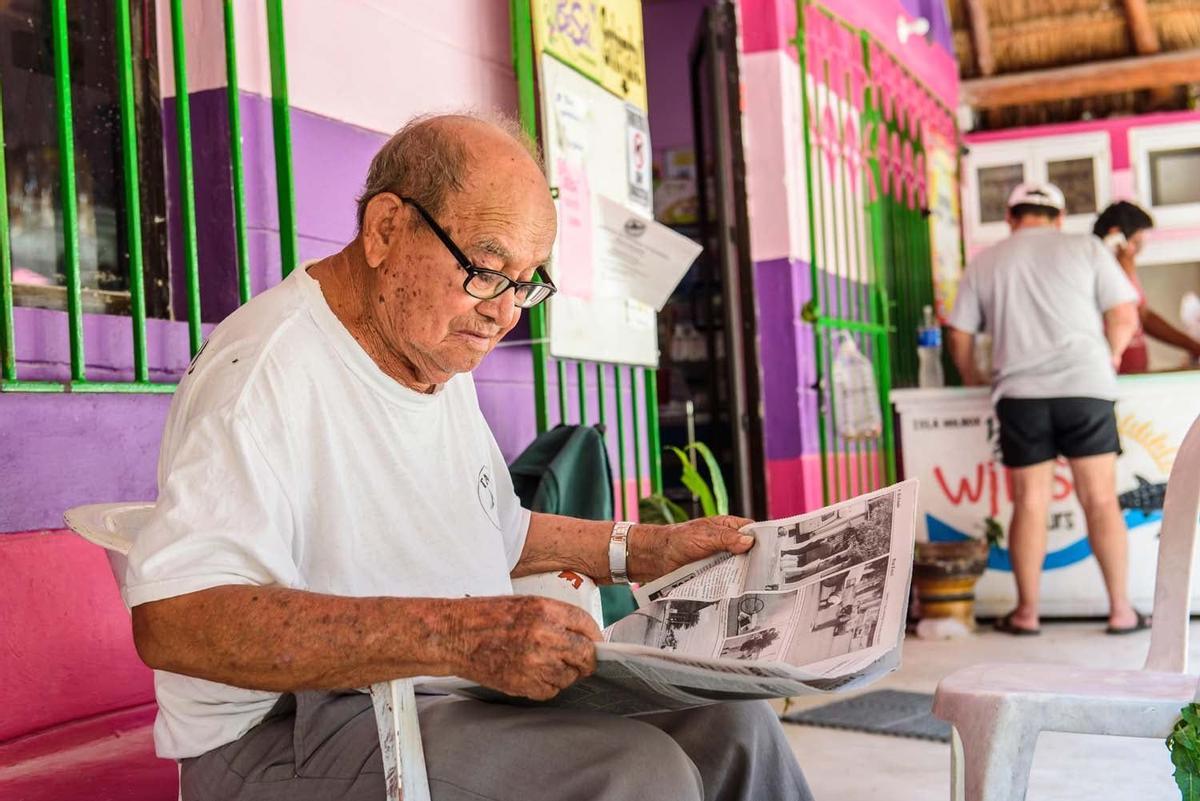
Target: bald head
{"points": [[447, 198], [434, 156]]}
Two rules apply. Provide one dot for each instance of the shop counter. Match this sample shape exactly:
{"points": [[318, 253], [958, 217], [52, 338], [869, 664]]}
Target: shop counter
{"points": [[948, 438]]}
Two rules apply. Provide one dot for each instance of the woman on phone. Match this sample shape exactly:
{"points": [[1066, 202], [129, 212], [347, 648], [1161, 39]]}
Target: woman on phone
{"points": [[1123, 226]]}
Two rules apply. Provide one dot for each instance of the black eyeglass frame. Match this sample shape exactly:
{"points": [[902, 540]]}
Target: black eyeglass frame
{"points": [[505, 283]]}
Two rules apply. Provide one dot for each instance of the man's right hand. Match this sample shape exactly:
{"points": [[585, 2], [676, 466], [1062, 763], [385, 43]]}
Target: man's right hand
{"points": [[523, 645]]}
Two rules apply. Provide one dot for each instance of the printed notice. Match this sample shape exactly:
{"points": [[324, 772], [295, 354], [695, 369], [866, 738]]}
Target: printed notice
{"points": [[636, 257]]}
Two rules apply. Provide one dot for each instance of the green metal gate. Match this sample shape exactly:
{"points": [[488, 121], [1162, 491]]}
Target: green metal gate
{"points": [[863, 117]]}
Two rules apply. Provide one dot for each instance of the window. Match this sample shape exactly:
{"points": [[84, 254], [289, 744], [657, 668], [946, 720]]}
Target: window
{"points": [[1078, 163], [1175, 176], [1077, 180], [1166, 172], [995, 185], [32, 156]]}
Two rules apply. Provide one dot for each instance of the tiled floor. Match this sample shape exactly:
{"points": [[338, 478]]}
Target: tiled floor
{"points": [[848, 766]]}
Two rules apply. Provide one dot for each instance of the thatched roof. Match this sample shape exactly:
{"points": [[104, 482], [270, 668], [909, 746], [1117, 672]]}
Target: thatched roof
{"points": [[1038, 34]]}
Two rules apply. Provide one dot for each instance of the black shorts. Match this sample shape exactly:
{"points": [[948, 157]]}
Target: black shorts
{"points": [[1035, 430]]}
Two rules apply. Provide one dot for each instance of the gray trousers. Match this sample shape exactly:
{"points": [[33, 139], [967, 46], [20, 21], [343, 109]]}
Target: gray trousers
{"points": [[325, 746]]}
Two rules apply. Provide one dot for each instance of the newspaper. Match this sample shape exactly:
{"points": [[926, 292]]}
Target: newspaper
{"points": [[818, 604]]}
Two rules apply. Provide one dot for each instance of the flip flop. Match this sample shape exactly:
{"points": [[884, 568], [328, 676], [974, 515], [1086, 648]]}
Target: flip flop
{"points": [[1005, 625], [1143, 623]]}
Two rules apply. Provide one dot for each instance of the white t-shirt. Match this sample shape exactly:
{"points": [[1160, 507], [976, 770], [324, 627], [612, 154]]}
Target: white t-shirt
{"points": [[1041, 295], [290, 459]]}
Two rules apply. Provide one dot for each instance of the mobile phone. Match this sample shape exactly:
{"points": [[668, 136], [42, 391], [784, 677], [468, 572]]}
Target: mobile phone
{"points": [[1116, 242]]}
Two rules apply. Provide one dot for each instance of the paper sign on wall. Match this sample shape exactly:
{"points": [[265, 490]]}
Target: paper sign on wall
{"points": [[945, 242], [637, 258], [638, 159], [574, 255], [602, 40]]}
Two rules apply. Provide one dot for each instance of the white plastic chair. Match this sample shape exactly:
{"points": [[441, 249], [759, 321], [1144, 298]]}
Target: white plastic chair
{"points": [[113, 526], [997, 710]]}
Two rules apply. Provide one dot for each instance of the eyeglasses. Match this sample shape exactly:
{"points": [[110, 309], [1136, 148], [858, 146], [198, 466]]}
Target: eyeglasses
{"points": [[489, 284]]}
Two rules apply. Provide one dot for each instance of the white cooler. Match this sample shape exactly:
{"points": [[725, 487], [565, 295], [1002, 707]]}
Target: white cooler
{"points": [[948, 439]]}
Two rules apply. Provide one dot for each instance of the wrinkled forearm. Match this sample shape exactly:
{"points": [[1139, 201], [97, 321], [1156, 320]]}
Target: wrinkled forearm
{"points": [[282, 640], [555, 542]]}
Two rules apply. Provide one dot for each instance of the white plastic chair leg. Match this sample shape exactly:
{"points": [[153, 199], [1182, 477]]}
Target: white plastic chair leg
{"points": [[958, 788], [995, 755], [404, 772]]}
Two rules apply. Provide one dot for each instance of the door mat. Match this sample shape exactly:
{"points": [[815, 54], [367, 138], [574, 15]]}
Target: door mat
{"points": [[893, 712]]}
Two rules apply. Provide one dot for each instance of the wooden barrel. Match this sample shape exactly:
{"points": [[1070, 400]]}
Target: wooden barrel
{"points": [[944, 574]]}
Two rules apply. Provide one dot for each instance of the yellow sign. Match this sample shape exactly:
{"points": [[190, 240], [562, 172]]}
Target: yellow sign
{"points": [[944, 220], [600, 38]]}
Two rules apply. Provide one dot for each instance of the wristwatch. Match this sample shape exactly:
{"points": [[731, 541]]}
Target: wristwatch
{"points": [[618, 552]]}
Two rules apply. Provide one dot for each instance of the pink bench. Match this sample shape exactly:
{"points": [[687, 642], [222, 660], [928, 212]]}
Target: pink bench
{"points": [[76, 704]]}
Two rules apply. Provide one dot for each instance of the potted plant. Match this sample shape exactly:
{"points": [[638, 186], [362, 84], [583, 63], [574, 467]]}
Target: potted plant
{"points": [[714, 499], [944, 574]]}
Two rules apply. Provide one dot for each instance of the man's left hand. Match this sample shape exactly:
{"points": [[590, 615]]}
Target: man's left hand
{"points": [[655, 551]]}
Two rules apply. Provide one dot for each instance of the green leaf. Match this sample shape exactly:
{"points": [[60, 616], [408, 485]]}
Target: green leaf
{"points": [[1188, 783], [1184, 744], [660, 509], [695, 482], [1191, 718], [720, 494]]}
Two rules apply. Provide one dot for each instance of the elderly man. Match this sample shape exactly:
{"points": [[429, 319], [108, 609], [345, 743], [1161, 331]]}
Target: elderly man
{"points": [[333, 511]]}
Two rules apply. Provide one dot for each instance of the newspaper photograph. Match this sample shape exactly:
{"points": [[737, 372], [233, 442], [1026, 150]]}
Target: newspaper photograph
{"points": [[817, 605]]}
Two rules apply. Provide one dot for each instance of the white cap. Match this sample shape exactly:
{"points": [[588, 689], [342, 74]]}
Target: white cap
{"points": [[1036, 194]]}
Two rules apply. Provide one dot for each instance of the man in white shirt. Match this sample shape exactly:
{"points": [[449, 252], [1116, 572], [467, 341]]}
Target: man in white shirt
{"points": [[1060, 312], [333, 511]]}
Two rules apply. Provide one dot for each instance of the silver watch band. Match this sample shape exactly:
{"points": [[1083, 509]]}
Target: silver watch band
{"points": [[618, 553]]}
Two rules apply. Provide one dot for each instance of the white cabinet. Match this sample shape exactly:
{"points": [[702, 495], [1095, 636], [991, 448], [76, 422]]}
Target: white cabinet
{"points": [[1079, 164]]}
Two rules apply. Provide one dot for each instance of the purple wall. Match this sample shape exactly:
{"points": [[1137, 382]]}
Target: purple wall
{"points": [[61, 450]]}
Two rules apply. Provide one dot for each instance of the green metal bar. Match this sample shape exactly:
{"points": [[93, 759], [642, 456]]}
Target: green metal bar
{"points": [[620, 441], [852, 309], [285, 188], [837, 465], [8, 345], [829, 301], [653, 434], [871, 262], [881, 299], [187, 183], [581, 380], [833, 103], [802, 56], [126, 387], [600, 399], [523, 66], [562, 390], [32, 386], [89, 387], [237, 172], [850, 209], [133, 200], [636, 426], [66, 160]]}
